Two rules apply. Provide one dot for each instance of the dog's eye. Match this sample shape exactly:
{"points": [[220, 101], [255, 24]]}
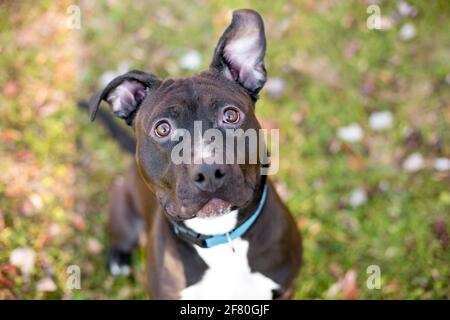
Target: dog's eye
{"points": [[230, 115], [162, 129]]}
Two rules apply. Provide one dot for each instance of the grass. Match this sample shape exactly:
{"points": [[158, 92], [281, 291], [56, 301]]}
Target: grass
{"points": [[57, 168]]}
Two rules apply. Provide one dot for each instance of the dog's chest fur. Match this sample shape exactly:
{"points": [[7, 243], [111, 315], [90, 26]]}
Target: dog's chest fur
{"points": [[228, 275]]}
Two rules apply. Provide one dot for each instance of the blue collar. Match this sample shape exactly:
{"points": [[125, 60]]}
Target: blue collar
{"points": [[205, 241]]}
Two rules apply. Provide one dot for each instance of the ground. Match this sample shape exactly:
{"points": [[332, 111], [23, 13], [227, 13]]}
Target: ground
{"points": [[363, 194]]}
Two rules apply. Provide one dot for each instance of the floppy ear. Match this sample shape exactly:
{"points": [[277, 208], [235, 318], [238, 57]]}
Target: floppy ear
{"points": [[239, 55], [124, 94]]}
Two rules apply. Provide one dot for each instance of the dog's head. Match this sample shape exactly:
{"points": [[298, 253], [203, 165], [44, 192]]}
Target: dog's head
{"points": [[221, 98]]}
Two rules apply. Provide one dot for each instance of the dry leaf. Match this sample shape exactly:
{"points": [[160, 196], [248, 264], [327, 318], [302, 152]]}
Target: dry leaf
{"points": [[46, 285], [94, 246], [11, 89], [346, 287], [78, 222]]}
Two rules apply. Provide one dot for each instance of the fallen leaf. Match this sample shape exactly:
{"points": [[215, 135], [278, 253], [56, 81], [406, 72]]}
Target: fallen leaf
{"points": [[413, 138], [9, 135], [314, 228], [349, 286], [78, 222], [7, 294], [334, 146], [302, 222], [356, 163], [391, 287], [346, 287], [11, 89], [440, 230], [368, 86], [46, 285], [94, 246]]}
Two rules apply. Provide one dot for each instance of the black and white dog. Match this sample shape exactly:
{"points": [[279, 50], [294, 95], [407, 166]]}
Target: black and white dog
{"points": [[213, 230]]}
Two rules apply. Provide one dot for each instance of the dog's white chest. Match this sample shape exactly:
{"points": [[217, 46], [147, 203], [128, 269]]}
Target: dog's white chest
{"points": [[229, 276]]}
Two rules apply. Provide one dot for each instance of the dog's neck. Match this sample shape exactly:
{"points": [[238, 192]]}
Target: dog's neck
{"points": [[226, 222], [209, 232]]}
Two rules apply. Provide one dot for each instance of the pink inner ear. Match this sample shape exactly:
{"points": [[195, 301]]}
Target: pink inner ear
{"points": [[135, 88], [126, 97], [234, 73], [140, 94], [245, 60]]}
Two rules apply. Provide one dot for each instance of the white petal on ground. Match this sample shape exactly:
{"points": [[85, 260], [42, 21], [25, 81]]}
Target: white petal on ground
{"points": [[94, 246], [405, 9], [441, 164], [381, 120], [191, 60], [54, 230], [36, 201], [108, 76], [24, 259], [275, 87], [413, 162], [407, 32], [351, 133], [387, 23], [358, 197], [46, 285]]}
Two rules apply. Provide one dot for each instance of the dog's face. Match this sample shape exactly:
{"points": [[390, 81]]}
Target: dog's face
{"points": [[222, 99]]}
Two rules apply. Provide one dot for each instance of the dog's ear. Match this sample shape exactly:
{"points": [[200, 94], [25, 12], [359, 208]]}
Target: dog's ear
{"points": [[239, 55], [124, 94]]}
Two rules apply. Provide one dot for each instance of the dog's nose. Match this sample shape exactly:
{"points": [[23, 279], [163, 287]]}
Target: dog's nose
{"points": [[208, 177]]}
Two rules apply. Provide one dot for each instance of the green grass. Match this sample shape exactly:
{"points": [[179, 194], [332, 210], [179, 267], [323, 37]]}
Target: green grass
{"points": [[57, 168]]}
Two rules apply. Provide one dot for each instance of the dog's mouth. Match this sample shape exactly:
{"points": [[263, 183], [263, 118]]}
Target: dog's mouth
{"points": [[215, 207]]}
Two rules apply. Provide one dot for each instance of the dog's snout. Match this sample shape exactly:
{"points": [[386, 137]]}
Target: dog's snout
{"points": [[208, 177]]}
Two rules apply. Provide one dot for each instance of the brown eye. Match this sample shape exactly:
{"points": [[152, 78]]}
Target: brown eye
{"points": [[162, 129], [230, 115]]}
